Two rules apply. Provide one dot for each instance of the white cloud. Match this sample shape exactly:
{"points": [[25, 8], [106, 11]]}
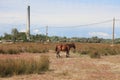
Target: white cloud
{"points": [[22, 30], [36, 31], [73, 14], [100, 34]]}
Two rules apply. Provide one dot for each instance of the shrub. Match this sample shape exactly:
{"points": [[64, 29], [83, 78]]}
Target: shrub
{"points": [[12, 51], [84, 52], [43, 63], [6, 67], [9, 67], [36, 50], [24, 47], [95, 54]]}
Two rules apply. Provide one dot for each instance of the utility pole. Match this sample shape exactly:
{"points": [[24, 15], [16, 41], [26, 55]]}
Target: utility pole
{"points": [[46, 33], [28, 23], [113, 36]]}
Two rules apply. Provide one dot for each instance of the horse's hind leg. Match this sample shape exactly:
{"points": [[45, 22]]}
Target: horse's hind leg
{"points": [[57, 54]]}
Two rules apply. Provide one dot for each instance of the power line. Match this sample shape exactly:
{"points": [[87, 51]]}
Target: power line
{"points": [[75, 26], [85, 24], [117, 19]]}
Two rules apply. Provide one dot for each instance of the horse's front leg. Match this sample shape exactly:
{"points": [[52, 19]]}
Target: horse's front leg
{"points": [[58, 54], [67, 54]]}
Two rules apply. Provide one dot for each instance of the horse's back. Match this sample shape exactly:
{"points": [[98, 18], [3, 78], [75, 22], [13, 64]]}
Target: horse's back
{"points": [[62, 47], [58, 47]]}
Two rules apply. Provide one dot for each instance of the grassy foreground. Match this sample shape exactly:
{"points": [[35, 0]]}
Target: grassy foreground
{"points": [[36, 64], [17, 66]]}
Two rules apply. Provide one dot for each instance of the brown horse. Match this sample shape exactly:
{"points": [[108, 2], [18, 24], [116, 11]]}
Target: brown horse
{"points": [[64, 47]]}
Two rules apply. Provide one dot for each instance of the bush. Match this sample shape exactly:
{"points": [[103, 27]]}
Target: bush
{"points": [[9, 67], [36, 50], [23, 47], [43, 63], [95, 54], [84, 52], [12, 51]]}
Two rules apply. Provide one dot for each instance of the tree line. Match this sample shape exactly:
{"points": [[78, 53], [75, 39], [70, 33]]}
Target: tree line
{"points": [[16, 36]]}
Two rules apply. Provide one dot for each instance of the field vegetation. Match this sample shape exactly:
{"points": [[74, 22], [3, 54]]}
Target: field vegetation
{"points": [[17, 48], [17, 65], [98, 49], [81, 48], [36, 64]]}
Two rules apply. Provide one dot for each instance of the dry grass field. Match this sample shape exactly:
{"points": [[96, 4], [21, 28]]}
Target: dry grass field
{"points": [[77, 67]]}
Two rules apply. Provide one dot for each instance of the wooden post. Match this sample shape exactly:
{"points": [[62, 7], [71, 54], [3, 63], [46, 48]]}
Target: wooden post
{"points": [[113, 36], [46, 32]]}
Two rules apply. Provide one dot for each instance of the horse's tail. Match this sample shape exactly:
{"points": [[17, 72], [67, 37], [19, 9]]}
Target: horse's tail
{"points": [[56, 48]]}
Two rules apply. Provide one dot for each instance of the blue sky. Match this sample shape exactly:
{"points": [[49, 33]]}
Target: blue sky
{"points": [[61, 13]]}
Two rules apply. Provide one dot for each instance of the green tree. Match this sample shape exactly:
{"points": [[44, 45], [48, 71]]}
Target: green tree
{"points": [[7, 36], [14, 34], [22, 36]]}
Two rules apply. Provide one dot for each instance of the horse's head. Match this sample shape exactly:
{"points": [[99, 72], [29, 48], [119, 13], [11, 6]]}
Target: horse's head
{"points": [[73, 45]]}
